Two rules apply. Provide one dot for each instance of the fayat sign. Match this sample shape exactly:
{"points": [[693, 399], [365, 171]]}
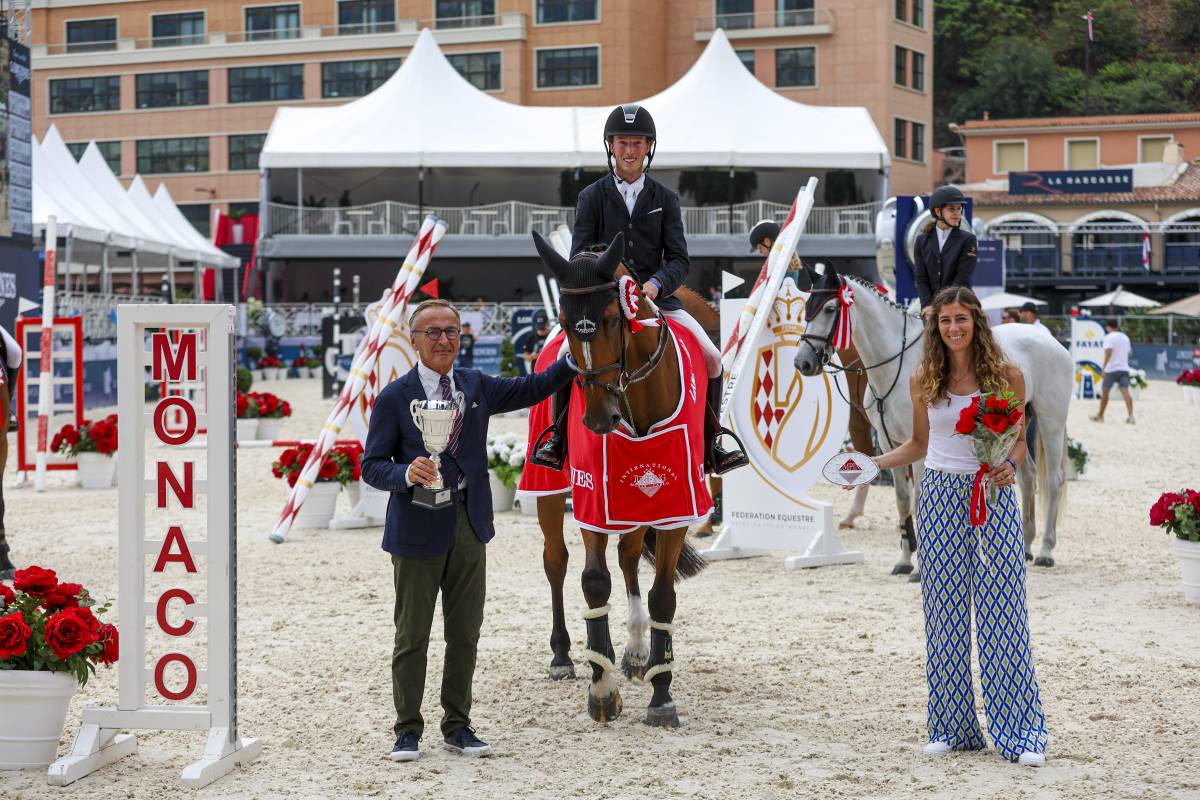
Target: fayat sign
{"points": [[176, 544], [1087, 351]]}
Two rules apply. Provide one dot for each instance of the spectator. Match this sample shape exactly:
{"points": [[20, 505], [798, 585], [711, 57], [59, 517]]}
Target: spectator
{"points": [[535, 342], [1010, 315], [1117, 349], [1029, 315], [466, 351]]}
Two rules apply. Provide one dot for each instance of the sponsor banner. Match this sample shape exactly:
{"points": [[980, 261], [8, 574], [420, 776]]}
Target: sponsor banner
{"points": [[1070, 181], [1087, 351]]}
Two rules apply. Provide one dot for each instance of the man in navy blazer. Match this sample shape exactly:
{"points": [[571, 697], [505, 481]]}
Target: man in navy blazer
{"points": [[440, 550]]}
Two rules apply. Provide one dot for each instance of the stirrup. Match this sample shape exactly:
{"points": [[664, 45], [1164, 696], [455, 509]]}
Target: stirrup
{"points": [[721, 460], [549, 450]]}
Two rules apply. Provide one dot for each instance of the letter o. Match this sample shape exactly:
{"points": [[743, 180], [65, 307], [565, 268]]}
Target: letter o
{"points": [[188, 665], [161, 612], [189, 415]]}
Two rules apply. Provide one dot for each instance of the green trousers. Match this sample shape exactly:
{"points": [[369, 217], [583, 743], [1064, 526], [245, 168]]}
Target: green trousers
{"points": [[460, 574]]}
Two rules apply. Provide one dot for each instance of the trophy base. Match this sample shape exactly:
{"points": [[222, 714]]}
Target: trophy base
{"points": [[433, 499]]}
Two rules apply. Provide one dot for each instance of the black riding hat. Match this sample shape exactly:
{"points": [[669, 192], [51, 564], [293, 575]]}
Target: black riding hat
{"points": [[764, 229], [946, 195], [630, 120]]}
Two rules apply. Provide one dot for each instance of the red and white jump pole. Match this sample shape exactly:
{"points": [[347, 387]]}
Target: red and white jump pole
{"points": [[45, 384]]}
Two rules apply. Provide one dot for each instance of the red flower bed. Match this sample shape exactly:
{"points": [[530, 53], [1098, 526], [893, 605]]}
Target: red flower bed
{"points": [[1179, 513], [267, 362], [1189, 377], [90, 437], [341, 464], [269, 405]]}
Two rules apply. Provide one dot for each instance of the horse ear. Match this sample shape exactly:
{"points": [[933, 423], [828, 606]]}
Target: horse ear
{"points": [[550, 256], [813, 276], [611, 258]]}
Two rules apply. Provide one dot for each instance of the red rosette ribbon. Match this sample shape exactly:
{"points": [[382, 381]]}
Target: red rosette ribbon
{"points": [[628, 296], [842, 333]]}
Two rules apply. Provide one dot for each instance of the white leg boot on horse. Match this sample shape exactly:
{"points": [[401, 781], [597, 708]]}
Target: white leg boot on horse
{"points": [[633, 660]]}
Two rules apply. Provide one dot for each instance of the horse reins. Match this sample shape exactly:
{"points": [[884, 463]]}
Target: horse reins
{"points": [[625, 378]]}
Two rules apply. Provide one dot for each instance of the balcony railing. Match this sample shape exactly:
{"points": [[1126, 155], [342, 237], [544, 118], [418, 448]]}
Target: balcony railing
{"points": [[467, 21], [818, 20], [1124, 259], [389, 218], [1032, 261]]}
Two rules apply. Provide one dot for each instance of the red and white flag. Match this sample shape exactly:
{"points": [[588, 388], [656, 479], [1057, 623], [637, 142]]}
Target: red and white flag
{"points": [[1146, 251], [1090, 17]]}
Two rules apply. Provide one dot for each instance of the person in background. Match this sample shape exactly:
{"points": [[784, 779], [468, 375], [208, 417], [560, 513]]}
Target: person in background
{"points": [[1117, 349], [714, 295], [944, 253], [1010, 315], [762, 239], [535, 342], [1029, 315], [466, 351]]}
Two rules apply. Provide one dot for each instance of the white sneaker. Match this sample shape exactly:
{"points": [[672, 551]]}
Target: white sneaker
{"points": [[1028, 759], [1130, 421], [1096, 418], [938, 749]]}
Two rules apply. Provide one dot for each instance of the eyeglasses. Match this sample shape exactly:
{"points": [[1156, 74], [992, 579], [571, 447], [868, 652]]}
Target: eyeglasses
{"points": [[433, 334]]}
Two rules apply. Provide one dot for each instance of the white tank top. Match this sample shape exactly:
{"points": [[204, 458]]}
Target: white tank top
{"points": [[948, 450]]}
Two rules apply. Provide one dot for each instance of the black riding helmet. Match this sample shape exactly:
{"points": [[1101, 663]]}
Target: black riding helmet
{"points": [[763, 229], [944, 196], [629, 120]]}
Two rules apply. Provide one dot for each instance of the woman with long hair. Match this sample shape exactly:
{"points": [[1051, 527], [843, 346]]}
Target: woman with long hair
{"points": [[965, 568]]}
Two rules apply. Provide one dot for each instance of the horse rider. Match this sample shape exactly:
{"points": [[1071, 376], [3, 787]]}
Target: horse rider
{"points": [[762, 238], [944, 254], [627, 200]]}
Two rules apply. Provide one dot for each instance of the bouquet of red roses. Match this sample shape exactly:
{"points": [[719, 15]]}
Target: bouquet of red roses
{"points": [[1179, 513], [993, 421], [52, 626]]}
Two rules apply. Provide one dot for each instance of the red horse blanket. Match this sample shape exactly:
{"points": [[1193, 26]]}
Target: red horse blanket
{"points": [[622, 481], [537, 480]]}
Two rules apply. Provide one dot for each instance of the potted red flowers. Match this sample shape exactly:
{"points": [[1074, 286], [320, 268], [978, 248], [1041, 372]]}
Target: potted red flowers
{"points": [[1179, 514], [92, 445], [992, 421], [246, 411], [272, 368], [271, 411], [1189, 379], [339, 468], [51, 640]]}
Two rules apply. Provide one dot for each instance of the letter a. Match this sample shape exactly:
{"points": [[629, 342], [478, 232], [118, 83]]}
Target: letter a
{"points": [[184, 556]]}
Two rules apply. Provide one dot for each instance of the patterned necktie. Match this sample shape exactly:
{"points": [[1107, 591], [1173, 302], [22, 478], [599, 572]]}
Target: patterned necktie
{"points": [[458, 420]]}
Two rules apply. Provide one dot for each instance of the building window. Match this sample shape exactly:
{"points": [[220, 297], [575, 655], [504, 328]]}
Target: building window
{"points": [[793, 13], [918, 71], [244, 149], [76, 95], [272, 22], [244, 207], [110, 150], [264, 84], [747, 59], [87, 35], [900, 138], [567, 11], [918, 142], [796, 66], [568, 66], [200, 215], [355, 78], [902, 10], [900, 75], [171, 30], [1083, 153], [735, 14], [1152, 148], [464, 13], [170, 89], [366, 16], [1010, 157], [481, 69], [172, 155], [918, 17]]}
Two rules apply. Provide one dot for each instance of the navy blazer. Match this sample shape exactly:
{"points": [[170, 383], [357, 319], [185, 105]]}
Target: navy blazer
{"points": [[393, 441], [935, 269], [654, 243]]}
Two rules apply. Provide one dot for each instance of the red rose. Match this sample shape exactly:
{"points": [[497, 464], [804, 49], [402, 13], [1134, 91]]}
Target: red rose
{"points": [[56, 443], [242, 405], [966, 422], [286, 408], [35, 580], [71, 630], [14, 635], [1014, 416], [276, 471], [112, 644], [287, 457], [1163, 511], [65, 595], [996, 423], [356, 471], [6, 595], [291, 479], [329, 470], [995, 403]]}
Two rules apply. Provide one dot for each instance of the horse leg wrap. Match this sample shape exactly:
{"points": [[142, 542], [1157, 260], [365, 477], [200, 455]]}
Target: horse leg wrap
{"points": [[599, 650], [662, 658]]}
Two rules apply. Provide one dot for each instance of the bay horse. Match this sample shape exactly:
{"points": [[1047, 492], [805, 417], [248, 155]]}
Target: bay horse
{"points": [[891, 342], [632, 377]]}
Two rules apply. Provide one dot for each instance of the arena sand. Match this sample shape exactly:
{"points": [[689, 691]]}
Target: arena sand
{"points": [[790, 684]]}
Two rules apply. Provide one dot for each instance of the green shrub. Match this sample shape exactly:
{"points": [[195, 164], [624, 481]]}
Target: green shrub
{"points": [[245, 379], [508, 359]]}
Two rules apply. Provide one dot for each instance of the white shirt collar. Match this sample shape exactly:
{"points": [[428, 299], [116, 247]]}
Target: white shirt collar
{"points": [[943, 235], [431, 381], [626, 188]]}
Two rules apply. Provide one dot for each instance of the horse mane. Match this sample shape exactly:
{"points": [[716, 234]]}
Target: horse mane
{"points": [[869, 286]]}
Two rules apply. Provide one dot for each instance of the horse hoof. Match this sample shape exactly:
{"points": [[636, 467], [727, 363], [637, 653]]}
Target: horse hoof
{"points": [[560, 671], [846, 524], [915, 577], [902, 569], [606, 709], [634, 667], [1029, 556], [1043, 561], [664, 716]]}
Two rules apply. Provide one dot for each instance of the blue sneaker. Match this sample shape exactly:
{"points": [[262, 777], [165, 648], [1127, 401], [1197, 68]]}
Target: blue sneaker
{"points": [[406, 747], [464, 742]]}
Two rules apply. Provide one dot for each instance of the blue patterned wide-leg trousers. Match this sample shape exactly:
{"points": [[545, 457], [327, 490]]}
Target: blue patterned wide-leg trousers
{"points": [[964, 567]]}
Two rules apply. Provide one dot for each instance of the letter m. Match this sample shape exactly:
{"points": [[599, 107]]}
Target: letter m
{"points": [[173, 359]]}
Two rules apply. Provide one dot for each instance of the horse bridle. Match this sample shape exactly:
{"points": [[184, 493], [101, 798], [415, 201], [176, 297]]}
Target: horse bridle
{"points": [[625, 378]]}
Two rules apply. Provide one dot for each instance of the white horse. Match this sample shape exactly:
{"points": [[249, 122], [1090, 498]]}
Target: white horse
{"points": [[891, 343]]}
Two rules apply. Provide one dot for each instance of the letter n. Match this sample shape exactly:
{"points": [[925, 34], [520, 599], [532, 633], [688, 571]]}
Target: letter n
{"points": [[184, 493]]}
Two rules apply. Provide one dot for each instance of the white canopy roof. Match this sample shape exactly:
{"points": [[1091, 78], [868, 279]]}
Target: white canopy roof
{"points": [[999, 300], [426, 114], [1121, 297]]}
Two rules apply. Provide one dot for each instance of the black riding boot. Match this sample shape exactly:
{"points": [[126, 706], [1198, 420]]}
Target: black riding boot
{"points": [[552, 454], [718, 460], [6, 567]]}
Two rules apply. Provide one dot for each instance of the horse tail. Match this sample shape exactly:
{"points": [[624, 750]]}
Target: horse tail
{"points": [[691, 563], [1043, 481]]}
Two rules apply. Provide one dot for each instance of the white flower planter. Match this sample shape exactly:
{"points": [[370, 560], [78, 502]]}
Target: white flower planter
{"points": [[527, 504], [269, 428], [33, 708], [95, 471], [314, 372], [1072, 475], [319, 506], [1194, 395], [247, 429], [502, 496], [1136, 392], [1189, 567]]}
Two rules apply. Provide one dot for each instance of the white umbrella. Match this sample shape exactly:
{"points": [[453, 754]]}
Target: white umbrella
{"points": [[1122, 298], [1002, 300]]}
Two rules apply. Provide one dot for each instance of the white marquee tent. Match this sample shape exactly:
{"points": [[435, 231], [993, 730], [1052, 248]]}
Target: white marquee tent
{"points": [[427, 115]]}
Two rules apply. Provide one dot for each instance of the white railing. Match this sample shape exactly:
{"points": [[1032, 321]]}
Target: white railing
{"points": [[304, 319], [99, 311], [389, 218]]}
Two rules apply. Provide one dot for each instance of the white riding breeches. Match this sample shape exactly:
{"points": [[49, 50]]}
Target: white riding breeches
{"points": [[712, 356]]}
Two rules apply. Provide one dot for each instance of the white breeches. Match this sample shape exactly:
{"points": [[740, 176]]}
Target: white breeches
{"points": [[712, 356]]}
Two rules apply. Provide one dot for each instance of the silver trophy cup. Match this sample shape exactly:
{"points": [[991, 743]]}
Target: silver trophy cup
{"points": [[435, 420]]}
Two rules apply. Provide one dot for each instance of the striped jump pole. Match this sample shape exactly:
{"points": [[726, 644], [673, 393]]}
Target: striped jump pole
{"points": [[45, 382]]}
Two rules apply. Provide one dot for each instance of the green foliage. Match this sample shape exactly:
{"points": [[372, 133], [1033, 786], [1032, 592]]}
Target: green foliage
{"points": [[508, 359], [1185, 24], [254, 353], [1015, 76], [1115, 27], [245, 379], [1078, 455]]}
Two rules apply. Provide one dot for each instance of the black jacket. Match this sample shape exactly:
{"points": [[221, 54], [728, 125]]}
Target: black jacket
{"points": [[654, 243], [934, 270]]}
